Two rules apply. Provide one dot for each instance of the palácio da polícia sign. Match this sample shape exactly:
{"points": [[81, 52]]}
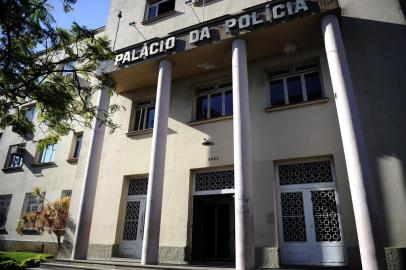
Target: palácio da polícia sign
{"points": [[184, 40]]}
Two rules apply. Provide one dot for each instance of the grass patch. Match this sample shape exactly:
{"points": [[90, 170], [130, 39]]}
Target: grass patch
{"points": [[21, 260]]}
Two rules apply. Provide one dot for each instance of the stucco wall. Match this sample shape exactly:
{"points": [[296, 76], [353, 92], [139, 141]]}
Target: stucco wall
{"points": [[294, 133]]}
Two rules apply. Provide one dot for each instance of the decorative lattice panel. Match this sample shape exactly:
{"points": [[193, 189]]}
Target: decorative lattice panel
{"points": [[138, 186], [132, 214], [293, 218], [214, 180], [66, 193], [326, 216], [305, 173]]}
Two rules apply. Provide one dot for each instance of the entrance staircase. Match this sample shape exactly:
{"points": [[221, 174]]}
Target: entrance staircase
{"points": [[123, 264]]}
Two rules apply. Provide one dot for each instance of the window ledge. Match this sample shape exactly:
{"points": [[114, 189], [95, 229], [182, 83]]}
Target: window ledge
{"points": [[12, 169], [290, 106], [43, 164], [167, 14], [72, 160], [205, 121], [138, 132]]}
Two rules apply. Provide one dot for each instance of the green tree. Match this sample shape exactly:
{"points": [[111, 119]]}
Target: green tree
{"points": [[50, 67]]}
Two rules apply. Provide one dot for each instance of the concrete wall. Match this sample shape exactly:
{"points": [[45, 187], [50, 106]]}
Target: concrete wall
{"points": [[374, 34], [134, 11]]}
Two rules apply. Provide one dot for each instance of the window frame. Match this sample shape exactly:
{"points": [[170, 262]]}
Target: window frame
{"points": [[141, 105], [8, 158], [151, 3], [41, 154], [75, 138], [215, 89], [298, 70], [4, 199], [26, 109], [66, 193], [28, 204]]}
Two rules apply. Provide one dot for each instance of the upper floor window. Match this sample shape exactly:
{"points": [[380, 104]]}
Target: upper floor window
{"points": [[299, 84], [29, 113], [77, 144], [214, 101], [144, 114], [4, 206], [159, 7], [47, 154], [15, 157]]}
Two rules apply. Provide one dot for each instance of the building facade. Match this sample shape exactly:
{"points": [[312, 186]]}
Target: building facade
{"points": [[260, 133]]}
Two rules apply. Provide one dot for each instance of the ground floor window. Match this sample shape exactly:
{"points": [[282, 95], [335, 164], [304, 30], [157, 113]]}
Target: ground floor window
{"points": [[5, 201]]}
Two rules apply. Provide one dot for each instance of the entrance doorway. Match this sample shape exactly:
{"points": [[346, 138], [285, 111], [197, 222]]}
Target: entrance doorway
{"points": [[213, 237], [134, 218], [213, 228], [309, 218]]}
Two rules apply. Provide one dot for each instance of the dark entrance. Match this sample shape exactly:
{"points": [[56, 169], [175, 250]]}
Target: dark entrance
{"points": [[213, 228]]}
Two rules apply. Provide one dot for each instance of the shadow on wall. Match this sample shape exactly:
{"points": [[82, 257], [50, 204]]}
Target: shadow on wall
{"points": [[377, 60]]}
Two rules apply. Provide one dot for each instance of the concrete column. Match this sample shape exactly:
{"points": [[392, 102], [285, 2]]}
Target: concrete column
{"points": [[244, 236], [361, 185], [150, 244], [88, 191]]}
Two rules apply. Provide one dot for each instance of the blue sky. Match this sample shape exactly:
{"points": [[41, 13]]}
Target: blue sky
{"points": [[90, 13]]}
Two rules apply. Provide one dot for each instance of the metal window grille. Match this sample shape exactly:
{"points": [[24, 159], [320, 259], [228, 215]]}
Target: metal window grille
{"points": [[66, 193], [305, 173], [293, 218], [326, 216], [132, 214], [216, 180], [138, 186]]}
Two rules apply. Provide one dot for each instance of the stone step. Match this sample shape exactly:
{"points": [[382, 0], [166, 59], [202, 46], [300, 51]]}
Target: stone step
{"points": [[62, 264]]}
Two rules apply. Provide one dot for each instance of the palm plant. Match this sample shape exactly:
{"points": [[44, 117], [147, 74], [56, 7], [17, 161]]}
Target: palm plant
{"points": [[52, 218]]}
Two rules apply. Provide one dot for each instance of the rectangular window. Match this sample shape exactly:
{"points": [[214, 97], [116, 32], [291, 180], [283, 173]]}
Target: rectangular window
{"points": [[77, 144], [33, 203], [4, 206], [29, 113], [47, 154], [15, 156], [66, 193], [157, 8], [214, 101], [144, 114], [300, 84]]}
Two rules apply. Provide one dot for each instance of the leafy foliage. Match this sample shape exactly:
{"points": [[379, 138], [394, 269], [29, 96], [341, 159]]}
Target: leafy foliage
{"points": [[60, 80], [52, 218], [21, 260]]}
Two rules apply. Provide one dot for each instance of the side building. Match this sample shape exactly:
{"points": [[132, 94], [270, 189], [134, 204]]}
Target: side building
{"points": [[252, 136]]}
